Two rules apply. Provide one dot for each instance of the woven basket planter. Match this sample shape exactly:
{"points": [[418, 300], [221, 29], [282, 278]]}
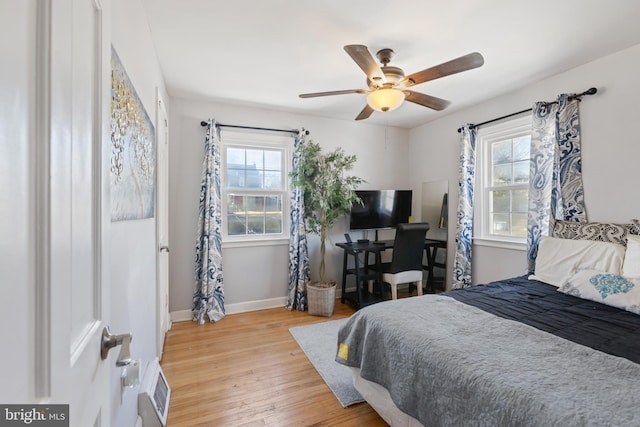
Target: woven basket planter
{"points": [[321, 297]]}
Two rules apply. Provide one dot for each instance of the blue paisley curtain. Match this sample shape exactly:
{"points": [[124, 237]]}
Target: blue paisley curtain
{"points": [[208, 297], [299, 272], [555, 177], [464, 220]]}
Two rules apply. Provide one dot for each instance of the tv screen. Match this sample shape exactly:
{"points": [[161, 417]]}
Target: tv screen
{"points": [[380, 209]]}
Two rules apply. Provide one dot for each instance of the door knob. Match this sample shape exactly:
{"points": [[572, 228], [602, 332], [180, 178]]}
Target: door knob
{"points": [[110, 340]]}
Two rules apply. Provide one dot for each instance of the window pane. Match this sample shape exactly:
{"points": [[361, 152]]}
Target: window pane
{"points": [[519, 225], [235, 157], [273, 223], [501, 152], [235, 178], [502, 174], [260, 171], [255, 159], [500, 201], [272, 180], [273, 218], [235, 215], [255, 224], [521, 148], [521, 172], [273, 160], [255, 205], [254, 179], [235, 203], [500, 224], [236, 225], [520, 201], [273, 204]]}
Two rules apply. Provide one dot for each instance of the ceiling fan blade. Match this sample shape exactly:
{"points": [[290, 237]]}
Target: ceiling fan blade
{"points": [[361, 55], [464, 63], [335, 92], [429, 101], [365, 113]]}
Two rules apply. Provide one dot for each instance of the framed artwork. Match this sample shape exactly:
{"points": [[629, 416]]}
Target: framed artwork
{"points": [[133, 148]]}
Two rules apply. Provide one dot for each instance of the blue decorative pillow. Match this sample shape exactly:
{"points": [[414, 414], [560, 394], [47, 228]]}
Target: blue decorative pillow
{"points": [[606, 288]]}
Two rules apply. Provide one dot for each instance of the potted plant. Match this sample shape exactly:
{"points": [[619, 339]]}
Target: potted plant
{"points": [[328, 195]]}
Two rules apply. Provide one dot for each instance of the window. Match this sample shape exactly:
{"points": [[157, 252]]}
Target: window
{"points": [[254, 186], [502, 181]]}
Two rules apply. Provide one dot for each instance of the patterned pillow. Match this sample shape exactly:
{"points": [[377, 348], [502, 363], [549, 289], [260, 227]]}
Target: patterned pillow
{"points": [[599, 231], [606, 288]]}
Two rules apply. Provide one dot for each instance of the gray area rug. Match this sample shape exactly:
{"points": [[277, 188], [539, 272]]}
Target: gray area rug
{"points": [[320, 343]]}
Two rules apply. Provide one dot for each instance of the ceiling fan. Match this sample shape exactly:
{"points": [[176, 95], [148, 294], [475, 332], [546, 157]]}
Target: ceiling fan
{"points": [[388, 86]]}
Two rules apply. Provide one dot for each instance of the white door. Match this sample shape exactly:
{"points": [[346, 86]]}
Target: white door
{"points": [[163, 323], [79, 217], [55, 216]]}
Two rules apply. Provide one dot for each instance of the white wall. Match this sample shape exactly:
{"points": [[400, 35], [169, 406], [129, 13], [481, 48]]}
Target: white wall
{"points": [[609, 159], [256, 277], [133, 243]]}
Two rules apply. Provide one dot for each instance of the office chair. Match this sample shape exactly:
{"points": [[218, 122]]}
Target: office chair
{"points": [[406, 260]]}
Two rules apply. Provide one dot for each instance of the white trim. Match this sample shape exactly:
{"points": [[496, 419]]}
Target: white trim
{"points": [[262, 141], [281, 241], [503, 244], [512, 128], [242, 307], [180, 316], [163, 322]]}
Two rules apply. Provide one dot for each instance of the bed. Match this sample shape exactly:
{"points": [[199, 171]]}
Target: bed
{"points": [[557, 348]]}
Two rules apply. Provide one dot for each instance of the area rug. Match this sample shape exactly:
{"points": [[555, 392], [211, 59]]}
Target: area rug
{"points": [[320, 343]]}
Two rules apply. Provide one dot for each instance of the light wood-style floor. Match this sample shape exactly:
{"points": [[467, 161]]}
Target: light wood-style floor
{"points": [[247, 370]]}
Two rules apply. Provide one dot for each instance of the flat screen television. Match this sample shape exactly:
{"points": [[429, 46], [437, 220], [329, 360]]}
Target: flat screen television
{"points": [[380, 209]]}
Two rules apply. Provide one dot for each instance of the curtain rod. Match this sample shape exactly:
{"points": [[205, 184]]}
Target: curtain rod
{"points": [[306, 132], [590, 91]]}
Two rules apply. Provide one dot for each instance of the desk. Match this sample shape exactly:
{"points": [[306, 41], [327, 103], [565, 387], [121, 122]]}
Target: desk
{"points": [[361, 298]]}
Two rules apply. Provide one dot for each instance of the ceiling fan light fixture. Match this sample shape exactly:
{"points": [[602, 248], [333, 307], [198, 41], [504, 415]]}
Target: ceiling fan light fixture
{"points": [[385, 99]]}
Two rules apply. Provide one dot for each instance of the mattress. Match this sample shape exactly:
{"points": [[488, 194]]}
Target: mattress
{"points": [[511, 352]]}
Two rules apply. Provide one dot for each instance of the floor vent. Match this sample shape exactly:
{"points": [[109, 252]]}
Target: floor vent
{"points": [[153, 398]]}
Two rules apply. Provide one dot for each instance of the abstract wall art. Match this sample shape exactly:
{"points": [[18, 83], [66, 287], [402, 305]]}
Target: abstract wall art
{"points": [[132, 162]]}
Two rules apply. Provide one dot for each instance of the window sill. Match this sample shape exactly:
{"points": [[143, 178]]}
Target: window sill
{"points": [[502, 244], [281, 241]]}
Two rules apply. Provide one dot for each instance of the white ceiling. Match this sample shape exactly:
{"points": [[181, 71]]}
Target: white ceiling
{"points": [[265, 53]]}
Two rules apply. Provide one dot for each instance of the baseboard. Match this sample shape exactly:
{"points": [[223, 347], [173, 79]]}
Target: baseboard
{"points": [[241, 307], [180, 316]]}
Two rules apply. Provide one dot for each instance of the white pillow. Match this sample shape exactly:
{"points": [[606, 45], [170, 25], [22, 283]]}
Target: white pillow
{"points": [[631, 266], [606, 288], [559, 259]]}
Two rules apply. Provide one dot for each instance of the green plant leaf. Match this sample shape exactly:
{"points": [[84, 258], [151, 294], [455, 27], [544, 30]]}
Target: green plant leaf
{"points": [[327, 192]]}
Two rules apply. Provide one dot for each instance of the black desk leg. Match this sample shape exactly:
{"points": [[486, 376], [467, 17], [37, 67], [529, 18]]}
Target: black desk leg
{"points": [[378, 280], [358, 287], [344, 277], [431, 257]]}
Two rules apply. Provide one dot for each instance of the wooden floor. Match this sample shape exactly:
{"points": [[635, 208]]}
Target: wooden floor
{"points": [[247, 370]]}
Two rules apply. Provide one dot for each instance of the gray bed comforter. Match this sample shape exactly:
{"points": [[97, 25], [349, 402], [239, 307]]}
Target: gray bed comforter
{"points": [[446, 363]]}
